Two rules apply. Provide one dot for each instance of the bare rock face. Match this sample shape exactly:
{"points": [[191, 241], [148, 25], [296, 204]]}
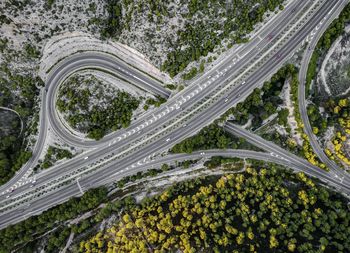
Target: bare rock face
{"points": [[335, 71]]}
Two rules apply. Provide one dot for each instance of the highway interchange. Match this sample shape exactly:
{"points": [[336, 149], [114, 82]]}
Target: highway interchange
{"points": [[139, 146], [146, 119]]}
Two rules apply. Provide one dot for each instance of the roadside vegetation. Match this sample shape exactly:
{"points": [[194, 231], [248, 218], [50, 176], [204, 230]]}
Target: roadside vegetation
{"points": [[263, 103], [308, 152], [260, 210], [211, 137], [201, 37], [90, 107], [338, 111], [156, 102], [143, 174], [226, 163], [53, 155], [184, 31], [154, 172]]}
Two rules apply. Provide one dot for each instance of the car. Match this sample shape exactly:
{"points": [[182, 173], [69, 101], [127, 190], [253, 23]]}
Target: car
{"points": [[185, 125], [167, 140], [226, 99], [202, 153], [243, 83], [7, 196], [86, 157]]}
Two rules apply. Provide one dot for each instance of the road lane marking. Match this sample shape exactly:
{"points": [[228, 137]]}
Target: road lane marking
{"points": [[80, 189]]}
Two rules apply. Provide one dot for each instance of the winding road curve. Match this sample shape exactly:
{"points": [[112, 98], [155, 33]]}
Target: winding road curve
{"points": [[302, 98]]}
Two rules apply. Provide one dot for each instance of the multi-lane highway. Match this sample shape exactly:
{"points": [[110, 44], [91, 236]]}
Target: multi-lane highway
{"points": [[182, 116], [38, 206]]}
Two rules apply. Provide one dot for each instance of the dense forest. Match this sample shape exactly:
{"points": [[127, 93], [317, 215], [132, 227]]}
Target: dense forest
{"points": [[260, 210]]}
